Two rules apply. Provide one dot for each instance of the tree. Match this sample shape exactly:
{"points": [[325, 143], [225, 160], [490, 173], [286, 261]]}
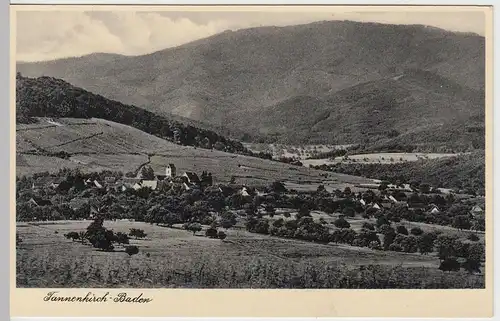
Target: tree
{"points": [[457, 210], [121, 238], [447, 246], [194, 227], [348, 211], [131, 250], [137, 233], [425, 243], [228, 219], [449, 264], [211, 233], [474, 256], [72, 236], [341, 223], [278, 187], [147, 173], [473, 237], [461, 222], [416, 231], [347, 191], [221, 235], [402, 230], [103, 240], [303, 211], [382, 220], [270, 210], [368, 226], [425, 188]]}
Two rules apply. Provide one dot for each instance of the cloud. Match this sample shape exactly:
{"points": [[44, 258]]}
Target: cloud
{"points": [[46, 35]]}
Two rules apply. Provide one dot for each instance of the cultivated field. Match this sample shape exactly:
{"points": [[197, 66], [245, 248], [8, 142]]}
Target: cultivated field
{"points": [[171, 257], [296, 151], [377, 158], [97, 144]]}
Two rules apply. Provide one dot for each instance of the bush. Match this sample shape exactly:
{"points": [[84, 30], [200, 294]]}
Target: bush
{"points": [[121, 238], [417, 231], [402, 230], [72, 236], [137, 233], [450, 264], [211, 233], [368, 226], [473, 237], [131, 250], [221, 235], [395, 247], [341, 223]]}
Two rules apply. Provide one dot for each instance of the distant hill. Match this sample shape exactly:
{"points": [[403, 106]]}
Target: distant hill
{"points": [[329, 82], [51, 97], [96, 144], [461, 172]]}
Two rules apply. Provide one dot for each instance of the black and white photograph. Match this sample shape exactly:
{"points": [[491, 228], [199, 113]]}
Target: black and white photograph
{"points": [[257, 149]]}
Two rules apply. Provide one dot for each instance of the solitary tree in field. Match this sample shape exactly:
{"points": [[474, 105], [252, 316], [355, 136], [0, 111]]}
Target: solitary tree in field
{"points": [[131, 250], [193, 227], [341, 223], [121, 238], [137, 233], [461, 222], [211, 233], [222, 235], [228, 219]]}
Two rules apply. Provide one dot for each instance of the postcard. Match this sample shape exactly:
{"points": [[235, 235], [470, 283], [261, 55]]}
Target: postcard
{"points": [[251, 161]]}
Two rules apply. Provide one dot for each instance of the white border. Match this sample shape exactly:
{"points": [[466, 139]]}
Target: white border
{"points": [[4, 130]]}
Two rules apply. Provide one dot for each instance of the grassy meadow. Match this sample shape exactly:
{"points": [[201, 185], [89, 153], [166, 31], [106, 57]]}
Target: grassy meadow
{"points": [[172, 257]]}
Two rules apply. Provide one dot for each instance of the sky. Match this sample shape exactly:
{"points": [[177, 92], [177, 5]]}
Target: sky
{"points": [[48, 35]]}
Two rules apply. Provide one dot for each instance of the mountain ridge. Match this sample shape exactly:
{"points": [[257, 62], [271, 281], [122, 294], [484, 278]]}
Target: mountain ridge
{"points": [[226, 79]]}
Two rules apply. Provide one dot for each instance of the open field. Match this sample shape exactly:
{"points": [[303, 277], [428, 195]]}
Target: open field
{"points": [[297, 151], [170, 257], [97, 144], [378, 158]]}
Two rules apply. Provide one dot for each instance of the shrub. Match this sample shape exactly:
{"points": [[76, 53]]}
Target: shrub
{"points": [[132, 250], [417, 231], [368, 226], [137, 233], [221, 235], [450, 264], [341, 223], [395, 247], [402, 230], [211, 233], [72, 236], [121, 238], [473, 237]]}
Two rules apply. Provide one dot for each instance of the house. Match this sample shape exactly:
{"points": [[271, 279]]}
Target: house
{"points": [[149, 183], [477, 210], [97, 184], [244, 192], [46, 182], [392, 199], [38, 201], [376, 206], [191, 178], [362, 201], [386, 203], [433, 209], [170, 170], [186, 186], [109, 180]]}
